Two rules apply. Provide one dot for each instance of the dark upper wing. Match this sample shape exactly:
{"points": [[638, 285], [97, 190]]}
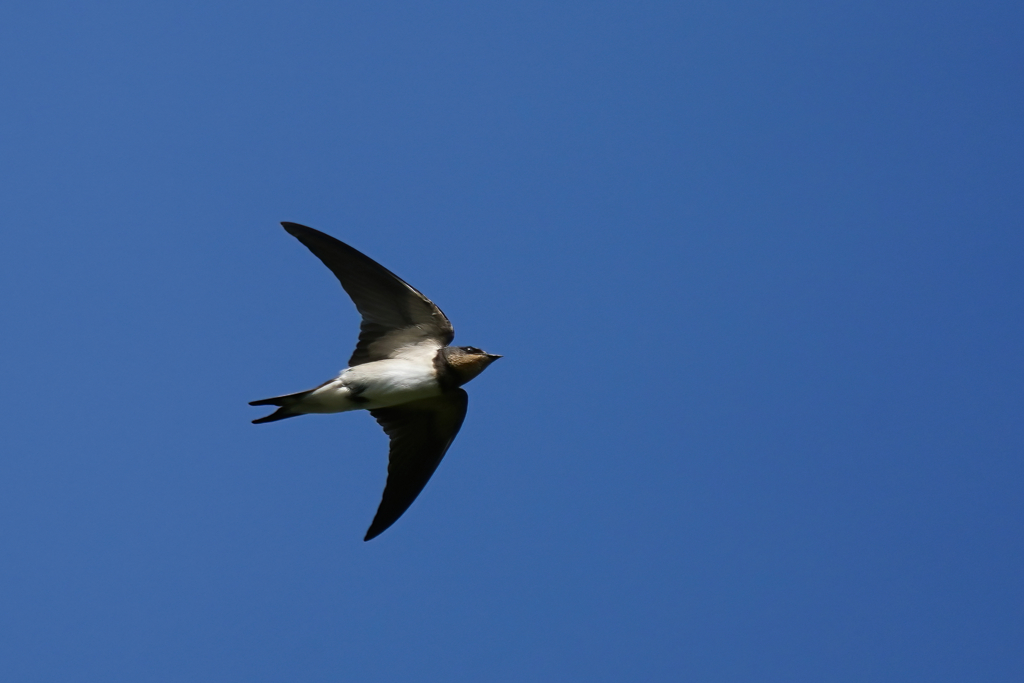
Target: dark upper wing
{"points": [[395, 315], [421, 432]]}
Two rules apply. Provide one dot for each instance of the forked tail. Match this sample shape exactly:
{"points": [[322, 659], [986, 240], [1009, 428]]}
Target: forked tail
{"points": [[284, 411]]}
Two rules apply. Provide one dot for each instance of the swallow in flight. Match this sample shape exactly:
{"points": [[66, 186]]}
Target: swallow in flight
{"points": [[403, 371]]}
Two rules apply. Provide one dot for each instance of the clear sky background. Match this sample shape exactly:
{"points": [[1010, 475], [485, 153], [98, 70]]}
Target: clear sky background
{"points": [[755, 268]]}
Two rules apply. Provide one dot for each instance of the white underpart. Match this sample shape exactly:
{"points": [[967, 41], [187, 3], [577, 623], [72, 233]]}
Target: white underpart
{"points": [[421, 351], [409, 342], [393, 381]]}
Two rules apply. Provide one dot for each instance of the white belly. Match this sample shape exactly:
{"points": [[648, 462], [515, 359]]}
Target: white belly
{"points": [[379, 384]]}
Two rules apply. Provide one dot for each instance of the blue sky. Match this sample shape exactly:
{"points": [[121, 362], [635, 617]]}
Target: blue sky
{"points": [[755, 269]]}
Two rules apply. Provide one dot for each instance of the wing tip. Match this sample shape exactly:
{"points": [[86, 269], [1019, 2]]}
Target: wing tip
{"points": [[373, 532]]}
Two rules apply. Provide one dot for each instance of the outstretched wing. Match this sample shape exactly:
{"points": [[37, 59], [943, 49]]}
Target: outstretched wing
{"points": [[395, 315], [421, 432]]}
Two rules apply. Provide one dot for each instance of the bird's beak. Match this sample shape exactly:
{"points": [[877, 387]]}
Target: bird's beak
{"points": [[493, 356]]}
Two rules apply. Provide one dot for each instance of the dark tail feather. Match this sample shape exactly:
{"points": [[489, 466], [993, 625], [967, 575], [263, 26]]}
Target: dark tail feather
{"points": [[284, 411], [279, 414], [285, 400]]}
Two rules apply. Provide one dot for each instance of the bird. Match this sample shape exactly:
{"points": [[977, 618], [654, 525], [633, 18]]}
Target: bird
{"points": [[403, 371]]}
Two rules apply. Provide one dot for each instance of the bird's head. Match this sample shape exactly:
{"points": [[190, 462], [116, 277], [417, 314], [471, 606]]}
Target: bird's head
{"points": [[468, 361]]}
